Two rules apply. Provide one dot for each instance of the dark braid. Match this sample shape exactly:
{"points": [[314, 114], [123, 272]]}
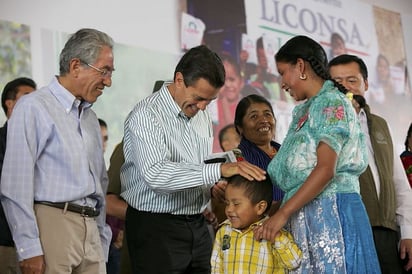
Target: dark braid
{"points": [[322, 72], [318, 68]]}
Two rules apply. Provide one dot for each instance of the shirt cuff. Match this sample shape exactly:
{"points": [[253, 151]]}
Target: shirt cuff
{"points": [[211, 173], [31, 248], [406, 232]]}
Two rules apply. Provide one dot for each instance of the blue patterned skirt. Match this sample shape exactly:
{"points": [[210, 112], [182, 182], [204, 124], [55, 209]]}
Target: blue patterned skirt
{"points": [[335, 236]]}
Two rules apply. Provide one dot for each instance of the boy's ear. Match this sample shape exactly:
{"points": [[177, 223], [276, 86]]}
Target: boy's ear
{"points": [[261, 207]]}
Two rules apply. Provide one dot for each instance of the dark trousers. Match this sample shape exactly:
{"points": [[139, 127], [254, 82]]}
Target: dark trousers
{"points": [[386, 242], [164, 243]]}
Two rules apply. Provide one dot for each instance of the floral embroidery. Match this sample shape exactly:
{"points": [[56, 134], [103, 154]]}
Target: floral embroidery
{"points": [[302, 120], [335, 113]]}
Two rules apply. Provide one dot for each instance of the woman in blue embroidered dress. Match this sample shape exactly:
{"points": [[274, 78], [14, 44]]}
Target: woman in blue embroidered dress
{"points": [[318, 166]]}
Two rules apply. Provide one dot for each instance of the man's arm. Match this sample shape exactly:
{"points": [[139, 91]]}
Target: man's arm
{"points": [[116, 206]]}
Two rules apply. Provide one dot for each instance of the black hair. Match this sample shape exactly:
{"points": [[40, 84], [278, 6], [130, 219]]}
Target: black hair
{"points": [[310, 51], [102, 123], [11, 89], [244, 105], [407, 136], [201, 62], [157, 85], [256, 191], [360, 100], [347, 59]]}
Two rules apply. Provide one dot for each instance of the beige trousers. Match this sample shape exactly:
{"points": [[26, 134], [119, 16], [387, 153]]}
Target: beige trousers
{"points": [[70, 242]]}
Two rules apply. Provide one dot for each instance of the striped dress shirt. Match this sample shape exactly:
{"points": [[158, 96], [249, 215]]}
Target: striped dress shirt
{"points": [[238, 252], [53, 154], [164, 153]]}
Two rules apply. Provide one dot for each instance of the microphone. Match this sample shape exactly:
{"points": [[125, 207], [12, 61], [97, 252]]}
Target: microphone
{"points": [[230, 156], [238, 154]]}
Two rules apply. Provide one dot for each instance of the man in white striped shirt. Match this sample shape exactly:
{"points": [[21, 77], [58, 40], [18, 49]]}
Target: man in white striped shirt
{"points": [[164, 179]]}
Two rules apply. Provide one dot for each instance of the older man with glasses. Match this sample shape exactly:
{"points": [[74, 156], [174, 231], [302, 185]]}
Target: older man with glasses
{"points": [[54, 177]]}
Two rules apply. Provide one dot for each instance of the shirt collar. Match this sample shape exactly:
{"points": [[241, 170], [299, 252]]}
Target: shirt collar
{"points": [[65, 97], [170, 103], [251, 227], [362, 115]]}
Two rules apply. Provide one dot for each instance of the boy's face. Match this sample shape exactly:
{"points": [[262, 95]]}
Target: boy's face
{"points": [[239, 209]]}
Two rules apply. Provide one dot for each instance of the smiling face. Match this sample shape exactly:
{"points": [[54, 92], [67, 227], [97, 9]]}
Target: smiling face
{"points": [[233, 83], [91, 82], [350, 77], [258, 124], [193, 98], [239, 209], [290, 79]]}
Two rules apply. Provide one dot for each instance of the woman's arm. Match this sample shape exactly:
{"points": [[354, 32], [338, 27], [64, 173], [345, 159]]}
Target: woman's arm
{"points": [[311, 188]]}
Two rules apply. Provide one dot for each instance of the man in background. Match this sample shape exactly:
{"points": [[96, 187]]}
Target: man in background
{"points": [[12, 92], [383, 186]]}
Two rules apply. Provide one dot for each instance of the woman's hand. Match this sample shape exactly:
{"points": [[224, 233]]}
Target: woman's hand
{"points": [[271, 227]]}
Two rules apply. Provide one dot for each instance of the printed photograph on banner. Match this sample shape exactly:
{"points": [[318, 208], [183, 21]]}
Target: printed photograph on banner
{"points": [[389, 84], [192, 31], [341, 27], [15, 54]]}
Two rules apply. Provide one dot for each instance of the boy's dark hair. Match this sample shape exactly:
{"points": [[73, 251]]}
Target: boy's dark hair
{"points": [[256, 191], [11, 88], [346, 59]]}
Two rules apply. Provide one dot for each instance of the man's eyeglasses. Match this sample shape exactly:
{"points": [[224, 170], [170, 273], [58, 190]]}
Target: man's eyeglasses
{"points": [[103, 72]]}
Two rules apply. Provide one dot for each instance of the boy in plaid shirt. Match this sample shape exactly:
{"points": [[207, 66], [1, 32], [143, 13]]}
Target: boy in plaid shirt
{"points": [[235, 250]]}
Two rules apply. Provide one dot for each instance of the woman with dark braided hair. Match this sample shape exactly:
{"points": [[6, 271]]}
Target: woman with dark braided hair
{"points": [[318, 166]]}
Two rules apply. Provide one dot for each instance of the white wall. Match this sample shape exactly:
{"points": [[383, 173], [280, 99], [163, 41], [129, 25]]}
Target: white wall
{"points": [[150, 24]]}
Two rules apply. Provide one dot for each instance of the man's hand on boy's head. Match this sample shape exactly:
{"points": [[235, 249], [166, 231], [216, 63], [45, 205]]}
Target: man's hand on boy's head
{"points": [[243, 168]]}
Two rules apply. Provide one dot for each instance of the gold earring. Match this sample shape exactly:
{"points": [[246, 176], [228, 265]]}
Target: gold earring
{"points": [[303, 76]]}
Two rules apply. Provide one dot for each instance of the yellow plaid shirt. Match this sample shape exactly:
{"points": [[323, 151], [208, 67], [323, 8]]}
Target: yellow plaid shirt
{"points": [[238, 252]]}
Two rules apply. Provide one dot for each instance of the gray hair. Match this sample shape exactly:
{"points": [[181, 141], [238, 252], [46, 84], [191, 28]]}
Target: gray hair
{"points": [[85, 44]]}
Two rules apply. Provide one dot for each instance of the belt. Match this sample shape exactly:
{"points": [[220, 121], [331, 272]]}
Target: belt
{"points": [[189, 218], [84, 211], [182, 217]]}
